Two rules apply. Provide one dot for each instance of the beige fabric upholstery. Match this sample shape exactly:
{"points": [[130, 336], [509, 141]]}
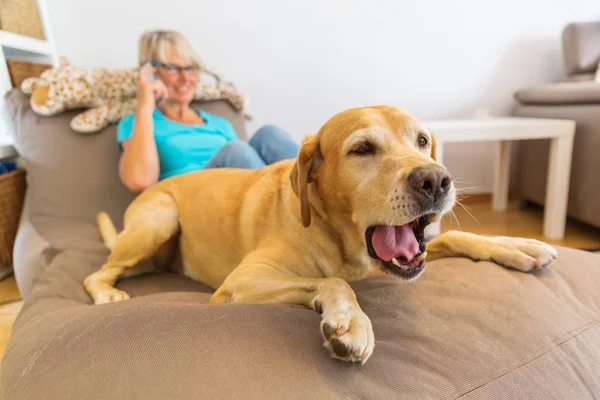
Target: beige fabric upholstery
{"points": [[28, 253], [580, 77], [71, 177], [465, 329], [561, 93], [581, 47]]}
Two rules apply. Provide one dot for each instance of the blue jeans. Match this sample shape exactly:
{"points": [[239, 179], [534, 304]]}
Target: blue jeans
{"points": [[268, 145]]}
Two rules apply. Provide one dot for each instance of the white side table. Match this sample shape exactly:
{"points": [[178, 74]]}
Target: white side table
{"points": [[504, 130]]}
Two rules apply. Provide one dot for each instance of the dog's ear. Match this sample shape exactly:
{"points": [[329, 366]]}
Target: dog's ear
{"points": [[303, 173], [433, 147]]}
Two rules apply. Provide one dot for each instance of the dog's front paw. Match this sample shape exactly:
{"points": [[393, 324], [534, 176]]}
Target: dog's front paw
{"points": [[522, 254], [110, 296], [348, 335]]}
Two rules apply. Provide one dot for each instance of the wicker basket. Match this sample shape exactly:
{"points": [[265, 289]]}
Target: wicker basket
{"points": [[12, 194], [20, 70], [21, 17]]}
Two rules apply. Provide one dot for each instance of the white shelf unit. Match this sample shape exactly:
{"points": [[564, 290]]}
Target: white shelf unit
{"points": [[26, 48]]}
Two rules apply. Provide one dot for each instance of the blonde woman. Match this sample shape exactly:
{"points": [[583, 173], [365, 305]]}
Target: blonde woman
{"points": [[166, 137]]}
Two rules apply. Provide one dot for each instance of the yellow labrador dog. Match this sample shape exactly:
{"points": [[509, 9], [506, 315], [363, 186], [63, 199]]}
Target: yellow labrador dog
{"points": [[354, 204]]}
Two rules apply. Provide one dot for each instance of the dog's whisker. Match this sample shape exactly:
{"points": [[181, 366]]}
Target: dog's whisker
{"points": [[453, 214], [463, 205], [468, 212], [391, 225], [389, 230], [462, 198], [468, 187], [379, 207], [462, 189], [462, 182], [456, 178]]}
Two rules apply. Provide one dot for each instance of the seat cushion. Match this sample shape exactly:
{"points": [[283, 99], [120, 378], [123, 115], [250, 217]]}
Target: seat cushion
{"points": [[577, 92], [464, 330]]}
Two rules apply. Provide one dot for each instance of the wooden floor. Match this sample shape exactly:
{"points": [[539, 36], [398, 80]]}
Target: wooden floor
{"points": [[479, 219], [9, 290], [10, 305]]}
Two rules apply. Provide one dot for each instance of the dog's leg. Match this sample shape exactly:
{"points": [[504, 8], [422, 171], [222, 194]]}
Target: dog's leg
{"points": [[149, 224], [518, 253], [346, 329]]}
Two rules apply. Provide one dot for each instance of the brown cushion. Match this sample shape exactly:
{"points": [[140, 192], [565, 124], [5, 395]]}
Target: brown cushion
{"points": [[72, 176], [578, 92], [467, 329]]}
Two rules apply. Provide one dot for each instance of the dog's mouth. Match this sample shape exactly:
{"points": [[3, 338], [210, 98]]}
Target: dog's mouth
{"points": [[401, 248]]}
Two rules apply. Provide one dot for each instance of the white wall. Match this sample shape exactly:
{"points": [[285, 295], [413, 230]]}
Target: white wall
{"points": [[301, 61]]}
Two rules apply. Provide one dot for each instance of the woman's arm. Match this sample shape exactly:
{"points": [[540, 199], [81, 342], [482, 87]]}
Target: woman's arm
{"points": [[139, 166]]}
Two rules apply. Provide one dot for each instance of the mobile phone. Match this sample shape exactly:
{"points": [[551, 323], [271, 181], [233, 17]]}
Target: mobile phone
{"points": [[152, 76]]}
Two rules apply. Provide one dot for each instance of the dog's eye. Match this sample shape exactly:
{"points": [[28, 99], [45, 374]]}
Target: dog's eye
{"points": [[422, 141], [363, 149]]}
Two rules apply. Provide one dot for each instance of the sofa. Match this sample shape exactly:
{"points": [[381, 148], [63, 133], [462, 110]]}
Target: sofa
{"points": [[465, 330], [575, 97]]}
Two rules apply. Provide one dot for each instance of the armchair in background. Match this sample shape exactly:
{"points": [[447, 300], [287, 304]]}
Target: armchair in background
{"points": [[576, 97]]}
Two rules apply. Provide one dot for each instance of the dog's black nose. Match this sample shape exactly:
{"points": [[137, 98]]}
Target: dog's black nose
{"points": [[432, 181]]}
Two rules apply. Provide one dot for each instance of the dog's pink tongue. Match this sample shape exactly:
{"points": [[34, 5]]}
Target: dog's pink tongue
{"points": [[395, 242]]}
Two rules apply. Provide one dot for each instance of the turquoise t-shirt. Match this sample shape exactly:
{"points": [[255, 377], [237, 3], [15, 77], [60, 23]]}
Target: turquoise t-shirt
{"points": [[183, 148]]}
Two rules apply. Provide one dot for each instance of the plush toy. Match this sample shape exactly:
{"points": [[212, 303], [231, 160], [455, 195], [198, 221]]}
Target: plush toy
{"points": [[109, 95]]}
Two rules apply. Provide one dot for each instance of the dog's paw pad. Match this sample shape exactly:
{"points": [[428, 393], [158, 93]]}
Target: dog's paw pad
{"points": [[328, 331], [339, 348], [111, 296], [348, 336]]}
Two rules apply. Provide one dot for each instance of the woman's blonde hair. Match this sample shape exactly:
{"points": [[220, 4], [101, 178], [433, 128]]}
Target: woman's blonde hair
{"points": [[154, 45]]}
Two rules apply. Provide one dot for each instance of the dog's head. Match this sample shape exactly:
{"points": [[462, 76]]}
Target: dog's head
{"points": [[374, 168]]}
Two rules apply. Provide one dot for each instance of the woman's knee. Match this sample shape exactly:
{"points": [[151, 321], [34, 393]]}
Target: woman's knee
{"points": [[268, 133], [240, 154], [273, 144], [237, 147]]}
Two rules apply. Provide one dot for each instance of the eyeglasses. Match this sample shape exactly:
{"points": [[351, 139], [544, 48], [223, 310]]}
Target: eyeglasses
{"points": [[172, 69]]}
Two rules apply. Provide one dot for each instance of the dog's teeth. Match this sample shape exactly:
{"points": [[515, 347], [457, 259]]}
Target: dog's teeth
{"points": [[395, 262], [422, 256]]}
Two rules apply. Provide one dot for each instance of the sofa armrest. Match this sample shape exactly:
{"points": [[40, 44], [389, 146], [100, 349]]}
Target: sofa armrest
{"points": [[584, 92]]}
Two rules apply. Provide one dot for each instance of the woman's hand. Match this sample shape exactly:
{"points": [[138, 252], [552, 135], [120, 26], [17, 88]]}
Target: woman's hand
{"points": [[150, 89]]}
